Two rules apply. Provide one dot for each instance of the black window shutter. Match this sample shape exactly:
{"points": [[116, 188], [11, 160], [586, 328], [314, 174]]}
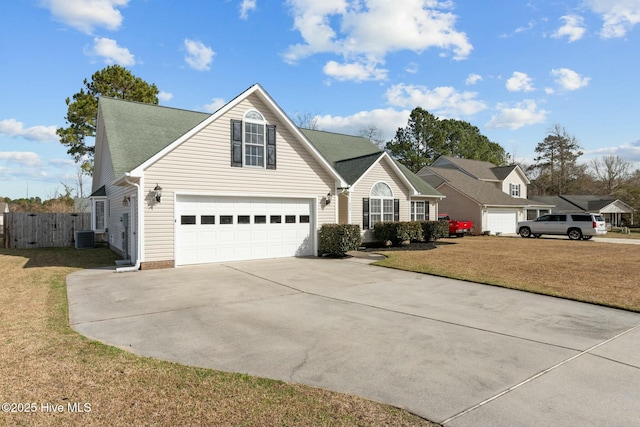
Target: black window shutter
{"points": [[236, 143], [396, 210], [271, 146], [365, 213]]}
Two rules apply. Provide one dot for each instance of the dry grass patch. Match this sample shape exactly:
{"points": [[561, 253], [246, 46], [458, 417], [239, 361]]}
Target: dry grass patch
{"points": [[44, 361], [600, 273]]}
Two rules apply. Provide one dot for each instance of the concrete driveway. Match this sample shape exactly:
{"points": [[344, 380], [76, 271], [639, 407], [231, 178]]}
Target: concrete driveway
{"points": [[453, 352]]}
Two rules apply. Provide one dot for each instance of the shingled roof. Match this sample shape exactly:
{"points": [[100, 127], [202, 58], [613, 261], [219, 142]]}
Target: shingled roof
{"points": [[352, 156], [136, 131], [482, 192]]}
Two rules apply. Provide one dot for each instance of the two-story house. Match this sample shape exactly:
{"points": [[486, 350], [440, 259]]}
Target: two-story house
{"points": [[493, 197], [174, 187]]}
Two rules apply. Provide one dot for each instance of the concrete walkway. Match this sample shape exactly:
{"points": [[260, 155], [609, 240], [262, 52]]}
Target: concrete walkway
{"points": [[453, 352]]}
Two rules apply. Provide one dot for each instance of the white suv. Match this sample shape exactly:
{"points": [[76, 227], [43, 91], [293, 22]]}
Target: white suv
{"points": [[575, 225]]}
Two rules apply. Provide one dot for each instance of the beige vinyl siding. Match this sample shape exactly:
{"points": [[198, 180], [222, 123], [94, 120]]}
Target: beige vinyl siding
{"points": [[201, 165], [514, 178], [115, 194], [380, 172], [103, 168], [433, 206], [343, 208]]}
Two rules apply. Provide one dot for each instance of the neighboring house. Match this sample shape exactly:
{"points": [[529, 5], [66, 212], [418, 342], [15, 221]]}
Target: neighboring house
{"points": [[174, 187], [609, 207], [493, 197]]}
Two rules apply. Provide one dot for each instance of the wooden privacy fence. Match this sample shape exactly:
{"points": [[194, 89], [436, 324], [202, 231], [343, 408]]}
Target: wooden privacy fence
{"points": [[43, 230]]}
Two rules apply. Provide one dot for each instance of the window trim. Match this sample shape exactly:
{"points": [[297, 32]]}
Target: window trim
{"points": [[514, 190], [94, 212], [247, 120], [414, 205], [380, 215]]}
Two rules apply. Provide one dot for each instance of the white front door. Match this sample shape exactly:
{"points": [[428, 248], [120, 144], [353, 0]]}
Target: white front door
{"points": [[214, 229]]}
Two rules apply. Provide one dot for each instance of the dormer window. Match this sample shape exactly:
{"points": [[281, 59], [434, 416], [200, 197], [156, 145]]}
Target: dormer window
{"points": [[514, 190], [253, 142]]}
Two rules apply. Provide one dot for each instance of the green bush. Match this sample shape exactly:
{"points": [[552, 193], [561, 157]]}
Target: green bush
{"points": [[433, 230], [383, 231], [398, 232], [338, 239]]}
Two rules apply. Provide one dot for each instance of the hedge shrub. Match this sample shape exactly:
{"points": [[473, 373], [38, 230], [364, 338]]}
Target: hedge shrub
{"points": [[398, 232], [433, 230], [423, 231], [338, 239]]}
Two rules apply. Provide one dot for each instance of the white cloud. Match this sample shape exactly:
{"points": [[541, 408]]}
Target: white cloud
{"points": [[24, 158], [473, 79], [519, 82], [445, 100], [573, 28], [357, 72], [412, 68], [199, 56], [365, 32], [569, 79], [109, 50], [85, 15], [514, 117], [386, 120], [164, 96], [246, 7], [630, 152], [215, 105], [619, 16], [14, 128]]}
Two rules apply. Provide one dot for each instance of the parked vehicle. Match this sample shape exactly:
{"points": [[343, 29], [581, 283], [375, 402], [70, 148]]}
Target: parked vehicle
{"points": [[456, 228], [575, 225]]}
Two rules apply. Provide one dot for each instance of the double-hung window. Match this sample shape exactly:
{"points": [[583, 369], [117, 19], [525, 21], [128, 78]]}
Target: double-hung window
{"points": [[254, 138], [514, 190], [381, 205], [99, 217], [253, 142], [418, 211]]}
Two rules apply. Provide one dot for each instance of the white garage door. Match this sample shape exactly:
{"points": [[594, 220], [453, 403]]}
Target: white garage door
{"points": [[213, 229], [502, 220]]}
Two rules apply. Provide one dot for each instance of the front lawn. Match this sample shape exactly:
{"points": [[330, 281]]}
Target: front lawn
{"points": [[49, 372], [590, 271]]}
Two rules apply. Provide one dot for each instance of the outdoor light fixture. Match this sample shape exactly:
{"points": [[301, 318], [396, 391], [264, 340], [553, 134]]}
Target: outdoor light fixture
{"points": [[327, 199], [157, 191]]}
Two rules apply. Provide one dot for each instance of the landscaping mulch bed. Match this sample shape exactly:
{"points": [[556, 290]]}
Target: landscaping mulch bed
{"points": [[414, 246]]}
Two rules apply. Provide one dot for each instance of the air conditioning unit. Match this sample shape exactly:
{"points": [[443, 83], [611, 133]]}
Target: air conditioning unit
{"points": [[85, 239]]}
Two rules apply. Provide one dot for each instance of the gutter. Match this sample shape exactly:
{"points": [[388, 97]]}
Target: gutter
{"points": [[135, 267]]}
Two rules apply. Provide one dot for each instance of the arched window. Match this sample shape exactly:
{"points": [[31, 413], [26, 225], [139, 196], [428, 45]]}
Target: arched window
{"points": [[381, 204], [254, 138]]}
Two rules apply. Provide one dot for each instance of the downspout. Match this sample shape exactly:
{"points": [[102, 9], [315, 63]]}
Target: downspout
{"points": [[135, 267]]}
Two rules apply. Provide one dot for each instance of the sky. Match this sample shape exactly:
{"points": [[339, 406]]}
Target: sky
{"points": [[513, 68]]}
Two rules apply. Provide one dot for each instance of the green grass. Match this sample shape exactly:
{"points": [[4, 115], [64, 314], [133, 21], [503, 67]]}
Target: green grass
{"points": [[44, 360]]}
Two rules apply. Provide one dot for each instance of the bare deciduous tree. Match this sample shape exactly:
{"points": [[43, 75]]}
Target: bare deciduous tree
{"points": [[610, 172], [306, 121], [373, 134]]}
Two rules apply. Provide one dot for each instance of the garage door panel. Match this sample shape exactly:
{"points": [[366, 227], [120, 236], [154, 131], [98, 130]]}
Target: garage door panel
{"points": [[502, 220], [258, 228]]}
